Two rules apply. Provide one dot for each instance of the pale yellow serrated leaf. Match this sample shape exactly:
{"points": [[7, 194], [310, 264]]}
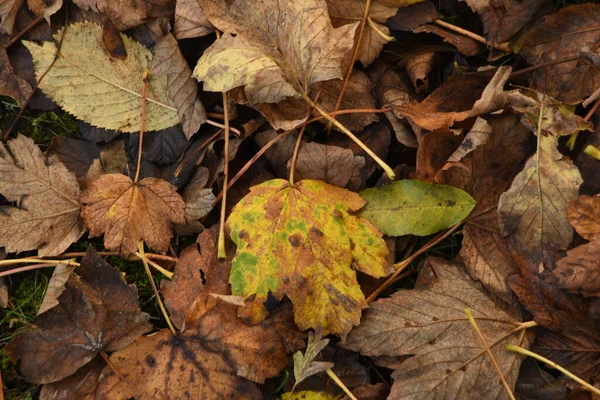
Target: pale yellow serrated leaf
{"points": [[105, 92]]}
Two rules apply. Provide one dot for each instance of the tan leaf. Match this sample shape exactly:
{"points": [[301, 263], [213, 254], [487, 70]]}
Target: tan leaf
{"points": [[579, 271], [126, 14], [12, 85], [429, 322], [561, 36], [477, 136], [584, 216], [56, 286], [190, 22], [98, 89], [418, 64], [534, 210], [465, 45], [126, 212], [357, 95], [47, 9], [8, 14], [279, 50], [47, 216], [344, 12], [305, 365], [334, 165], [183, 90]]}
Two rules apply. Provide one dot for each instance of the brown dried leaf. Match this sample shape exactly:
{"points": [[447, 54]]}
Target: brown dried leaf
{"points": [[430, 323], [126, 212], [280, 153], [502, 19], [279, 50], [477, 136], [334, 165], [190, 22], [213, 357], [305, 364], [183, 90], [45, 8], [579, 271], [465, 45], [198, 200], [8, 14], [433, 152], [413, 16], [126, 14], [344, 12], [56, 286], [12, 85], [98, 312], [47, 216], [77, 155], [356, 96], [418, 65], [79, 386], [534, 210], [584, 216], [460, 97], [562, 35]]}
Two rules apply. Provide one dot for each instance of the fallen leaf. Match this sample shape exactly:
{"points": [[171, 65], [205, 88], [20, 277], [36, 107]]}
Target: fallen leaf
{"points": [[584, 216], [112, 40], [8, 14], [418, 64], [198, 200], [460, 97], [559, 36], [183, 90], [190, 22], [162, 147], [317, 241], [95, 134], [79, 386], [409, 207], [12, 85], [413, 16], [503, 19], [274, 61], [214, 357], [579, 271], [126, 212], [47, 216], [343, 12], [357, 95], [449, 360], [465, 45], [280, 153], [98, 312], [102, 91], [77, 155], [56, 286], [305, 364], [3, 293], [435, 149], [126, 14], [47, 9], [478, 135], [331, 164], [534, 210]]}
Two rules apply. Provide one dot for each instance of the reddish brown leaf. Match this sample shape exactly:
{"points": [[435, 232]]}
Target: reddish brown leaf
{"points": [[12, 85], [190, 22], [579, 271], [79, 386], [584, 216], [8, 14], [98, 311]]}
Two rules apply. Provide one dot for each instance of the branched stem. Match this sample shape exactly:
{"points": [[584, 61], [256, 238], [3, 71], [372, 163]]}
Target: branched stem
{"points": [[386, 168]]}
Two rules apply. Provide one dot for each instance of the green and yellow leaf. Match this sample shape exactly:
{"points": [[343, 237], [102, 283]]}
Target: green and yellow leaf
{"points": [[302, 242], [103, 91], [410, 207]]}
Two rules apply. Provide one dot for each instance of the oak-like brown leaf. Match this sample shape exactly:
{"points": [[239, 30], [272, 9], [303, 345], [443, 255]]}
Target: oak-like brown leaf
{"points": [[429, 322], [97, 311], [47, 215], [126, 212]]}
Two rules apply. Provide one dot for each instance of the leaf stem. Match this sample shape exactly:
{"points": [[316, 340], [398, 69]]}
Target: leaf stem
{"points": [[154, 288], [361, 30], [504, 47], [295, 155], [339, 382], [160, 269], [221, 253], [382, 164], [36, 261], [222, 126], [471, 318], [520, 350], [373, 26], [142, 123]]}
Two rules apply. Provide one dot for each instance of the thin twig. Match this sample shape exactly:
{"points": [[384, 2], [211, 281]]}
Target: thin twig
{"points": [[295, 155], [520, 350], [218, 125], [154, 288], [339, 382], [221, 253], [142, 123], [116, 253], [18, 36], [14, 261], [471, 318], [160, 269], [504, 47]]}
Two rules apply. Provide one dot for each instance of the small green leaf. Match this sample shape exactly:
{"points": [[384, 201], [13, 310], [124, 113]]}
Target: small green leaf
{"points": [[409, 207]]}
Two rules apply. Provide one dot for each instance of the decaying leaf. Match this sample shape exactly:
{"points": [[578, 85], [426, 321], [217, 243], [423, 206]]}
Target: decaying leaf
{"points": [[584, 216], [559, 36], [79, 386], [12, 85], [98, 312], [301, 241], [534, 210], [579, 271], [47, 215], [409, 207], [449, 360], [126, 212], [216, 356], [183, 91], [8, 14], [344, 12], [279, 50], [190, 22], [305, 364], [198, 200], [56, 286], [126, 14], [98, 89]]}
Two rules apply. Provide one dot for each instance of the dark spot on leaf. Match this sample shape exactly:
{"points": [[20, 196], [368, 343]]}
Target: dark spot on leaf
{"points": [[243, 234], [431, 342], [450, 203], [316, 231], [285, 279], [151, 361], [448, 372], [463, 368], [295, 240], [434, 319], [203, 277]]}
